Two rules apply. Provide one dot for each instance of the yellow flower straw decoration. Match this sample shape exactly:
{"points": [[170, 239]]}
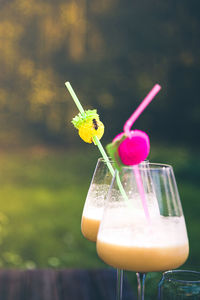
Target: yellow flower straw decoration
{"points": [[89, 125], [84, 133]]}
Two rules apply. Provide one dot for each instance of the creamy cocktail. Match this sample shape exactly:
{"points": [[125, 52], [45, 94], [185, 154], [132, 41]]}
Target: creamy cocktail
{"points": [[143, 240], [138, 247]]}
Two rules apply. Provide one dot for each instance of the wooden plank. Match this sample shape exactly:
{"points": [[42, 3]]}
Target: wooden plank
{"points": [[74, 284], [10, 284], [104, 282], [40, 285], [69, 284], [91, 285]]}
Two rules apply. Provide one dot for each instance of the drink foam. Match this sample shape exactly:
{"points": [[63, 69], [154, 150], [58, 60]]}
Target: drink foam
{"points": [[95, 202], [133, 231]]}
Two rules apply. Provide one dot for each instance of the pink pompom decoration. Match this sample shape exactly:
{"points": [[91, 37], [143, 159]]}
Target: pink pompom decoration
{"points": [[135, 148]]}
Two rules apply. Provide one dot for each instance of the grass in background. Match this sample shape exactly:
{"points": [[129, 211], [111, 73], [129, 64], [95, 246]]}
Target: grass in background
{"points": [[42, 194]]}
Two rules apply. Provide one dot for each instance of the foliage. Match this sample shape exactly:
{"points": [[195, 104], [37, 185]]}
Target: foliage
{"points": [[113, 52]]}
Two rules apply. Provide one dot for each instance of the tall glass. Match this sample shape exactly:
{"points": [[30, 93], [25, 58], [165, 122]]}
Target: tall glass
{"points": [[127, 239]]}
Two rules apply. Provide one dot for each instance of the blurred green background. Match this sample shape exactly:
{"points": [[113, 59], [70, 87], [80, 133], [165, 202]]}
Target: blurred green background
{"points": [[112, 52]]}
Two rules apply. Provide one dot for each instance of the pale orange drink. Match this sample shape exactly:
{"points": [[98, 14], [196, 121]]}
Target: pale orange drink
{"points": [[144, 248], [127, 239], [90, 223]]}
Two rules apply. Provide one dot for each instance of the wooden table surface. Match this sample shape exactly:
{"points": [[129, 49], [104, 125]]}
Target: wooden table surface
{"points": [[69, 284]]}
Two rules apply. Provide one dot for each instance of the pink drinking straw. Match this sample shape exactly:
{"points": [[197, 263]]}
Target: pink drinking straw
{"points": [[141, 107], [127, 128], [141, 191]]}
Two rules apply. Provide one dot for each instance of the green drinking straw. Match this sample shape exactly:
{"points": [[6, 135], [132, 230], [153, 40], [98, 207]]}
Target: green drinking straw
{"points": [[75, 98], [96, 140]]}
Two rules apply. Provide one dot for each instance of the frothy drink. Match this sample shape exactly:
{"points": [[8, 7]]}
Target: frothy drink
{"points": [[132, 244]]}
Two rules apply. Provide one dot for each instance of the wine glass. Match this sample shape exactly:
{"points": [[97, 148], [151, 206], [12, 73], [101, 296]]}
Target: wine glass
{"points": [[127, 239], [94, 206]]}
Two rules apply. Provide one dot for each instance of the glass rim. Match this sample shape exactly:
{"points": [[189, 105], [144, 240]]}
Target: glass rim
{"points": [[104, 161], [151, 166], [111, 160], [166, 275]]}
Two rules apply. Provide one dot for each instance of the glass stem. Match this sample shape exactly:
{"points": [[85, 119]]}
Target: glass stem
{"points": [[141, 285], [119, 284]]}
